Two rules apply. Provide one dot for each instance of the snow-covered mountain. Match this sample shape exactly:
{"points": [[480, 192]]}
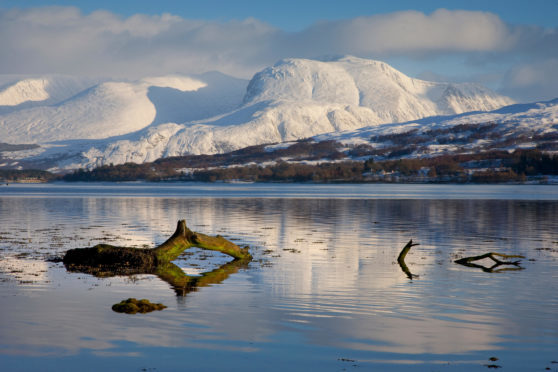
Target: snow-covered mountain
{"points": [[86, 123], [106, 109], [389, 94]]}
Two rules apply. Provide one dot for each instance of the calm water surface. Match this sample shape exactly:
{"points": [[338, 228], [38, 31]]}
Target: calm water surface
{"points": [[324, 290]]}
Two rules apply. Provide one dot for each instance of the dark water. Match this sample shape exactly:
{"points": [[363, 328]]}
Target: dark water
{"points": [[324, 290]]}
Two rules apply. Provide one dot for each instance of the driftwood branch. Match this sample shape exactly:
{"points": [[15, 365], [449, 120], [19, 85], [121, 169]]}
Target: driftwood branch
{"points": [[105, 260], [469, 261], [401, 259]]}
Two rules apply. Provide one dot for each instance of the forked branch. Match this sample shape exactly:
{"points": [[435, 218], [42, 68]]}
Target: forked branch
{"points": [[469, 261]]}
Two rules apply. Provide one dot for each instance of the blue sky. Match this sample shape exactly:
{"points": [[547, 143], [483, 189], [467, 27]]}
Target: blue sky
{"points": [[294, 15], [510, 46]]}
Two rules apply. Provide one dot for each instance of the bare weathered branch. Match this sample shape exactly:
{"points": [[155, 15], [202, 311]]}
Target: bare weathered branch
{"points": [[401, 259], [468, 261]]}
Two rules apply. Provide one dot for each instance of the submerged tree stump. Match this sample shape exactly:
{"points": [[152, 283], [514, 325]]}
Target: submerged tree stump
{"points": [[105, 260], [183, 238]]}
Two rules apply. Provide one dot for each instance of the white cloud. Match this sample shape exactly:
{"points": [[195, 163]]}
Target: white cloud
{"points": [[64, 40], [532, 82], [413, 32]]}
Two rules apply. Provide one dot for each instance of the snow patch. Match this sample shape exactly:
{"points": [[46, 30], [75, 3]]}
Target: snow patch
{"points": [[182, 83]]}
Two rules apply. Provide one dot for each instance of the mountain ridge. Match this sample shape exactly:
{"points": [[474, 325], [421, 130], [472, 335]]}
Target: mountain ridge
{"points": [[142, 120]]}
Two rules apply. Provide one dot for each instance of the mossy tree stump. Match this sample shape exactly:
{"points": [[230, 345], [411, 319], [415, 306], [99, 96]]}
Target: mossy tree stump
{"points": [[105, 260]]}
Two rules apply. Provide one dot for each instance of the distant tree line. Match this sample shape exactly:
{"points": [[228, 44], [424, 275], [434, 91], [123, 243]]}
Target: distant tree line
{"points": [[13, 175], [282, 171], [326, 166]]}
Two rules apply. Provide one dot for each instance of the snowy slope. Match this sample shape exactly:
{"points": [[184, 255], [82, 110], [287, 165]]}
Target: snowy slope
{"points": [[117, 122], [538, 117], [532, 125], [106, 110], [23, 91], [514, 126], [219, 95], [171, 140], [17, 93], [102, 111], [255, 124]]}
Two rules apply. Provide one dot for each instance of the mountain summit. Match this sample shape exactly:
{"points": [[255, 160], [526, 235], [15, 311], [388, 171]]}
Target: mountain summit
{"points": [[389, 94]]}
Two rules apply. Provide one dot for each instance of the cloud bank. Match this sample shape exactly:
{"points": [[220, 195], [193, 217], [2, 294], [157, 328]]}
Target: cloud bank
{"points": [[64, 40]]}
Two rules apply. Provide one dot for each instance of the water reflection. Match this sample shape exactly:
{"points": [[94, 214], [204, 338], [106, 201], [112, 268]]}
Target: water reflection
{"points": [[324, 277], [167, 272]]}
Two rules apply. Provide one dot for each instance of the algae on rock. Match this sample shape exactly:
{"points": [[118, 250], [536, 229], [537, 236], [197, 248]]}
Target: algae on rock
{"points": [[133, 306]]}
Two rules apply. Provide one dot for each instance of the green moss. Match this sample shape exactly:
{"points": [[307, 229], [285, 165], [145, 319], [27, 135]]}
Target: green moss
{"points": [[133, 306], [171, 251], [218, 243]]}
